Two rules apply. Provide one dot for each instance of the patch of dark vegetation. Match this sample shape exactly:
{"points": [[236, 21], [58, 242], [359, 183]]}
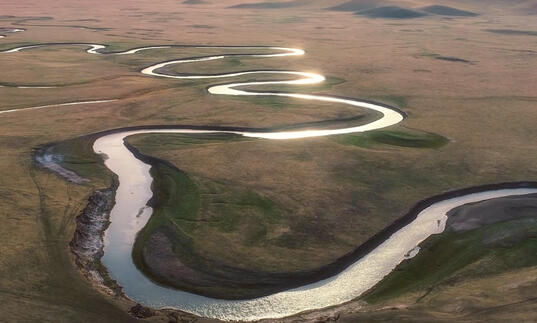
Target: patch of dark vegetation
{"points": [[391, 12], [400, 137], [356, 5], [487, 246], [448, 11], [269, 5], [23, 21], [513, 32], [202, 26], [26, 17], [444, 58], [450, 59], [81, 20]]}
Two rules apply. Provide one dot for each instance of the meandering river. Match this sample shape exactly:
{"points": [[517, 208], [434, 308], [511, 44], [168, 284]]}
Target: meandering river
{"points": [[134, 192], [131, 213]]}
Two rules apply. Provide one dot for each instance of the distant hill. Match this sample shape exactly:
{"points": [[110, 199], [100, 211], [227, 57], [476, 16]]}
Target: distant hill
{"points": [[269, 5], [393, 12], [194, 2], [531, 10], [356, 5], [448, 11]]}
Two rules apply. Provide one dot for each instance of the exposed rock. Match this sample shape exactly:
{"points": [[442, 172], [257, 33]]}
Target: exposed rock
{"points": [[141, 312], [87, 244]]}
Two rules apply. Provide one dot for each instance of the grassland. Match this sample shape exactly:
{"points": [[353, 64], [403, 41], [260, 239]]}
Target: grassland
{"points": [[396, 137], [333, 192], [454, 257]]}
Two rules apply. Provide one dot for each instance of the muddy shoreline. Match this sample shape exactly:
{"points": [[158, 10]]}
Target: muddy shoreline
{"points": [[46, 158]]}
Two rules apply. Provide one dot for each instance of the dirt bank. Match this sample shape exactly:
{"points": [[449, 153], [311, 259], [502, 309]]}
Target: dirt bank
{"points": [[475, 215], [87, 244]]}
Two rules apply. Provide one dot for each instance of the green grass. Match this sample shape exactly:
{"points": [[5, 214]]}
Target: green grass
{"points": [[327, 85], [156, 142], [330, 124], [175, 202], [178, 206], [399, 136], [268, 101], [185, 208], [247, 201], [176, 197], [451, 257], [282, 102]]}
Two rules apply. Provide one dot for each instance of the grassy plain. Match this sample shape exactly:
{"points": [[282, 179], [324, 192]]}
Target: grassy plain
{"points": [[339, 189]]}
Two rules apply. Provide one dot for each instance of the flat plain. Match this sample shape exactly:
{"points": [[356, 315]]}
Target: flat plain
{"points": [[272, 208]]}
